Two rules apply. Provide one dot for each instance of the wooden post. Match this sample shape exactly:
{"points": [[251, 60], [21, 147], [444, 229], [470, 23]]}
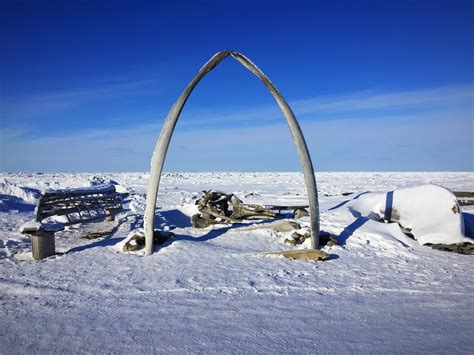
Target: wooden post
{"points": [[42, 245], [109, 215]]}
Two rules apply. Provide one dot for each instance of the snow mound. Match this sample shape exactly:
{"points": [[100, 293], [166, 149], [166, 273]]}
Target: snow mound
{"points": [[138, 204], [98, 180], [25, 193], [34, 226], [430, 213]]}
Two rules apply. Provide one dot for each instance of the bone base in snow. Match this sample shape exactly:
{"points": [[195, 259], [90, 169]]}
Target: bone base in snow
{"points": [[136, 239], [299, 236]]}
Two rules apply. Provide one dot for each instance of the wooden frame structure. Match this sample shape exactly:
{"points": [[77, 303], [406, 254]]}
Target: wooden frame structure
{"points": [[161, 149], [77, 205]]}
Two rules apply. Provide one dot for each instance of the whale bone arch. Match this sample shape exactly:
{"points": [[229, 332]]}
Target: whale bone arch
{"points": [[161, 148]]}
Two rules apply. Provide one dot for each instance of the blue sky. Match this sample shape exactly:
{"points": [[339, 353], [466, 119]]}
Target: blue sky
{"points": [[376, 85]]}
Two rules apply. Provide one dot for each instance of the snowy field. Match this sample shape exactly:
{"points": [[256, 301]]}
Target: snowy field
{"points": [[209, 291]]}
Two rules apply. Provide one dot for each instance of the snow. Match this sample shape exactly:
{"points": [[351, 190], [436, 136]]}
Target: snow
{"points": [[34, 226], [94, 188], [212, 290], [26, 194], [101, 181]]}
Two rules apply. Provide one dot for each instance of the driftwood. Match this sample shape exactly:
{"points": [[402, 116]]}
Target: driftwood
{"points": [[460, 248], [161, 148], [216, 207]]}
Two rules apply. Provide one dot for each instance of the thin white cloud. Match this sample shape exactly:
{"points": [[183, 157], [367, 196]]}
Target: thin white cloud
{"points": [[47, 103], [319, 107], [437, 137], [368, 100], [440, 98], [408, 142]]}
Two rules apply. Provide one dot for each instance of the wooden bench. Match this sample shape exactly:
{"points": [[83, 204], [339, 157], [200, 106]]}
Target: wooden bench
{"points": [[76, 205]]}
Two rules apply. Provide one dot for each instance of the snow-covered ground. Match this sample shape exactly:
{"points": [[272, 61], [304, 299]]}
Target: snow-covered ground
{"points": [[210, 291]]}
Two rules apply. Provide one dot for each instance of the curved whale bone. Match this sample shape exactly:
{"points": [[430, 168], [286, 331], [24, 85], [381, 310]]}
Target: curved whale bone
{"points": [[162, 145]]}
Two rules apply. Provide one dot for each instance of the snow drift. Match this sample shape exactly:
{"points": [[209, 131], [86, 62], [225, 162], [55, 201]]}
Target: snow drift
{"points": [[27, 194]]}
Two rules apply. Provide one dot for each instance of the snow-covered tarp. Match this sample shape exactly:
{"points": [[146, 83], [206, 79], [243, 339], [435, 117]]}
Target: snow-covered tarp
{"points": [[430, 213]]}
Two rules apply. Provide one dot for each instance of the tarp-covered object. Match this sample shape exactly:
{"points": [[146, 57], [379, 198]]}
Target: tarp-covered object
{"points": [[430, 213]]}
